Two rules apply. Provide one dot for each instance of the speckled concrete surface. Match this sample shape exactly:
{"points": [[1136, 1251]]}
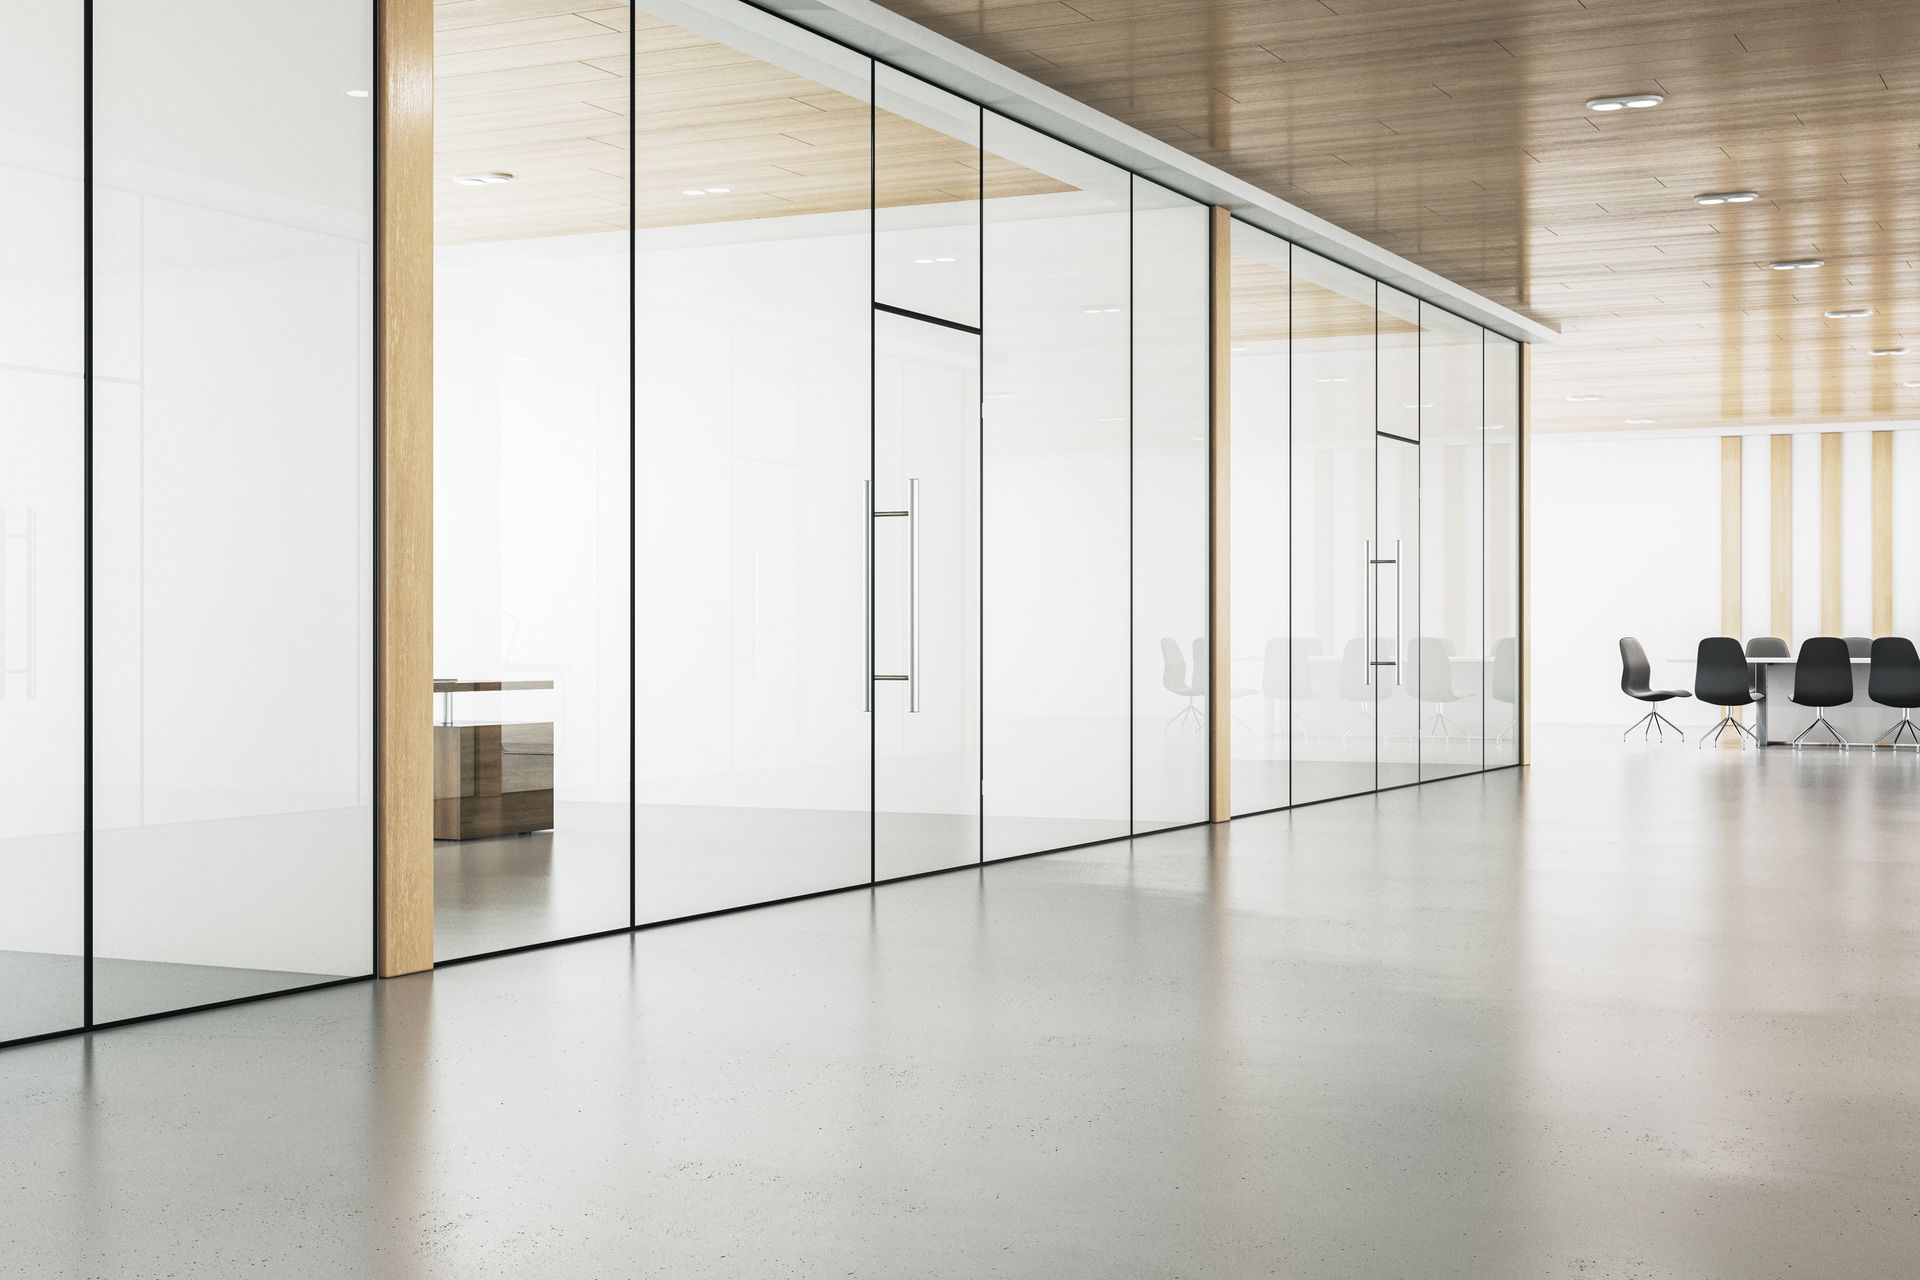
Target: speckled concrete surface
{"points": [[1645, 1013]]}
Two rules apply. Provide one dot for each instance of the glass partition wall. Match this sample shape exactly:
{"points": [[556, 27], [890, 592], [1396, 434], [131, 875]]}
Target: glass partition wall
{"points": [[1375, 613], [186, 507], [822, 496]]}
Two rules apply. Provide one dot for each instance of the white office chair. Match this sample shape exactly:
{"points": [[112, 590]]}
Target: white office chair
{"points": [[1173, 678]]}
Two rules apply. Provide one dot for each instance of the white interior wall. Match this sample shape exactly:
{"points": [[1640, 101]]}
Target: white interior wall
{"points": [[1614, 555]]}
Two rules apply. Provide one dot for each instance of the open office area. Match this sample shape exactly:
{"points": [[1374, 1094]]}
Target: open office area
{"points": [[1138, 638]]}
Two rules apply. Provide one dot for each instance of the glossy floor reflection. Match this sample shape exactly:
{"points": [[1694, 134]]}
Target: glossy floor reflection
{"points": [[1645, 1012]]}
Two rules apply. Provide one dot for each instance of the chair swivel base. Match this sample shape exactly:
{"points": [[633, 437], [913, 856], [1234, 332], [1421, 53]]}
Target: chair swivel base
{"points": [[1905, 727], [1654, 721], [1820, 721], [1740, 731]]}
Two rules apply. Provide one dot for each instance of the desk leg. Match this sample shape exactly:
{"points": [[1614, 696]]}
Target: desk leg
{"points": [[1760, 708]]}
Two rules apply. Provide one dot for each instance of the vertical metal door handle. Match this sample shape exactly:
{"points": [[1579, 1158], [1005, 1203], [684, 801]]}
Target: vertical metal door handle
{"points": [[913, 595], [1366, 589], [866, 514], [1399, 657]]}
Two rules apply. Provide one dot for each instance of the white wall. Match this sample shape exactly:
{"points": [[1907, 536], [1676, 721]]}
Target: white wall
{"points": [[1626, 541]]}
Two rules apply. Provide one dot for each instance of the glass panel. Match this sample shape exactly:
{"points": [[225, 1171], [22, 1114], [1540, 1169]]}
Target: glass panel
{"points": [[1331, 690], [753, 395], [532, 512], [233, 494], [1397, 525], [926, 591], [42, 577], [1055, 468], [926, 192], [1171, 408], [1503, 551], [1261, 681], [1448, 647]]}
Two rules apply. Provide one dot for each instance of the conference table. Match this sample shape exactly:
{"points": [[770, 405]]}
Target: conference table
{"points": [[1778, 719]]}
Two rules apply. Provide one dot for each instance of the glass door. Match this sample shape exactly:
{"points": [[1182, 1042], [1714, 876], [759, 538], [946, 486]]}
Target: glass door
{"points": [[924, 598], [1394, 561]]}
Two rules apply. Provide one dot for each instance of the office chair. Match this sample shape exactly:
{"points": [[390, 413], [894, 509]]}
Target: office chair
{"points": [[1503, 682], [1435, 665], [1893, 680], [1769, 647], [1202, 670], [1173, 678], [1859, 647], [1286, 676], [1822, 678], [1636, 681], [1355, 685], [1722, 678]]}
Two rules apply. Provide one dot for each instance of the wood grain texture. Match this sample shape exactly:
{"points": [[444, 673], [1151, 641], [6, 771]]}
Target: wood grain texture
{"points": [[1220, 634], [1526, 554], [1454, 132], [404, 498], [1730, 568], [1883, 533], [1780, 537], [1832, 534]]}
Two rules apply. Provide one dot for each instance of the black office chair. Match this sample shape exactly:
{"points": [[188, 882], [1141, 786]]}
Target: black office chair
{"points": [[1822, 678], [1893, 680], [1768, 647], [1859, 646], [1636, 681], [1722, 678]]}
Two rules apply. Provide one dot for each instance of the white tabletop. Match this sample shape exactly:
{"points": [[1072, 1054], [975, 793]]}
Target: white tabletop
{"points": [[1774, 662]]}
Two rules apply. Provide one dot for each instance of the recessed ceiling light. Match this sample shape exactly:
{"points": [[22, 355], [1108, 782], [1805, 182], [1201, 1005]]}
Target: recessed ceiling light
{"points": [[1887, 351], [1416, 406], [483, 179], [359, 93], [1797, 264], [1641, 422], [1582, 399], [943, 259], [694, 191], [1850, 313], [1626, 102], [1238, 350], [718, 191], [1329, 379], [923, 262], [1910, 384], [1727, 197]]}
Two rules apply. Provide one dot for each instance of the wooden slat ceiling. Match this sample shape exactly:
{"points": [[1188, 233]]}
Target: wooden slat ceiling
{"points": [[1454, 132], [541, 89]]}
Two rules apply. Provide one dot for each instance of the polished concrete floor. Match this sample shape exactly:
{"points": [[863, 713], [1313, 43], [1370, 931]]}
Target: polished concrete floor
{"points": [[1643, 1012]]}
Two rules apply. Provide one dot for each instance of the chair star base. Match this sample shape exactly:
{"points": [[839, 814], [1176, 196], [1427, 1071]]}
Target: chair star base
{"points": [[1654, 721], [1740, 732]]}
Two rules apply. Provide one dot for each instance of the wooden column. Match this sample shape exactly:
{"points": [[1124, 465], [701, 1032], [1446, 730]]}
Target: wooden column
{"points": [[1730, 565], [1526, 553], [1832, 587], [1731, 622], [1780, 537], [403, 306], [1883, 533], [1219, 627]]}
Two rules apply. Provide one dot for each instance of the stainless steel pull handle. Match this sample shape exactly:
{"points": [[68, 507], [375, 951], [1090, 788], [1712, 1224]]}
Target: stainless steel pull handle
{"points": [[866, 514], [1366, 592], [1397, 664], [913, 594]]}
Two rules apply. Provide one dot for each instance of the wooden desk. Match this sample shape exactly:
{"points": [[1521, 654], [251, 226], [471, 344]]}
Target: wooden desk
{"points": [[491, 777]]}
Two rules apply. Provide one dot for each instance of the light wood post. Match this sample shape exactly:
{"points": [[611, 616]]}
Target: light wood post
{"points": [[1780, 537], [1731, 623], [1832, 484], [1526, 553], [403, 306], [1219, 627], [1883, 533]]}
